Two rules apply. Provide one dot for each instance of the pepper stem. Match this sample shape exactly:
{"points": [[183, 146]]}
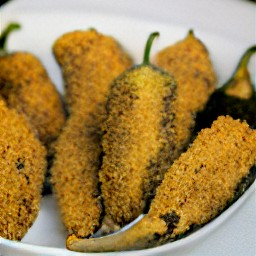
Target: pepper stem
{"points": [[239, 84], [5, 33], [148, 47], [191, 32], [243, 63]]}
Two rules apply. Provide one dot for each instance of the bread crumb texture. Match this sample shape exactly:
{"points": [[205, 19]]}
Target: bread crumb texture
{"points": [[203, 180], [133, 139], [89, 58], [22, 168], [90, 61], [26, 87], [189, 62]]}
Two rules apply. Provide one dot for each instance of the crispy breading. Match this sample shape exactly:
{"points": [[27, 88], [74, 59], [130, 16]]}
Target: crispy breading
{"points": [[26, 86], [89, 58], [90, 61], [22, 168], [205, 178], [75, 177], [189, 62], [138, 140]]}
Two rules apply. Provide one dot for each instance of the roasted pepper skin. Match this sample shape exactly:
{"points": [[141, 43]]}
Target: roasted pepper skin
{"points": [[89, 61], [237, 97], [22, 169], [188, 197]]}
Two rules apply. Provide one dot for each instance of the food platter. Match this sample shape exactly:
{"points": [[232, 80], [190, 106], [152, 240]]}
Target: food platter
{"points": [[40, 28]]}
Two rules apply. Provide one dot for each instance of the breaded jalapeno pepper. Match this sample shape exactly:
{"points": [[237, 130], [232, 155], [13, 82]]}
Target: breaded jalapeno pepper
{"points": [[90, 61], [237, 97], [189, 62], [26, 86], [22, 168], [138, 138], [200, 184]]}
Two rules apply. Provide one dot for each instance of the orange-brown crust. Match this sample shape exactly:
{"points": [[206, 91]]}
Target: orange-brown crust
{"points": [[90, 61], [189, 62], [102, 60], [26, 86], [204, 179], [22, 168], [135, 134]]}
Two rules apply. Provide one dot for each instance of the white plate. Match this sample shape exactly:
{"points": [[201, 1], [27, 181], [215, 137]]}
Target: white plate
{"points": [[234, 231]]}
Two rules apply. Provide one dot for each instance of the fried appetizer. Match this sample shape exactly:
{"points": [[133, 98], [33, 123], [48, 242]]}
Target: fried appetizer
{"points": [[138, 138], [102, 60], [189, 62], [22, 168], [90, 61], [222, 157], [237, 97], [26, 87]]}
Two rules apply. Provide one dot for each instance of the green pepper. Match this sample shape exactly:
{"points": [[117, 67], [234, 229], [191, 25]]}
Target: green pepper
{"points": [[138, 140], [237, 97]]}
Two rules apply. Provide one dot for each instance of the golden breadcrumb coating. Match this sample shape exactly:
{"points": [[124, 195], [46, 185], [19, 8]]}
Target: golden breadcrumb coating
{"points": [[197, 187], [22, 168], [74, 176], [189, 62], [210, 171], [25, 85], [102, 60], [90, 61], [138, 140]]}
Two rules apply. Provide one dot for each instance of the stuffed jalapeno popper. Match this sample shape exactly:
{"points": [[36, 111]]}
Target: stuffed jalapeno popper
{"points": [[189, 62], [89, 61], [138, 138], [22, 169], [26, 87]]}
